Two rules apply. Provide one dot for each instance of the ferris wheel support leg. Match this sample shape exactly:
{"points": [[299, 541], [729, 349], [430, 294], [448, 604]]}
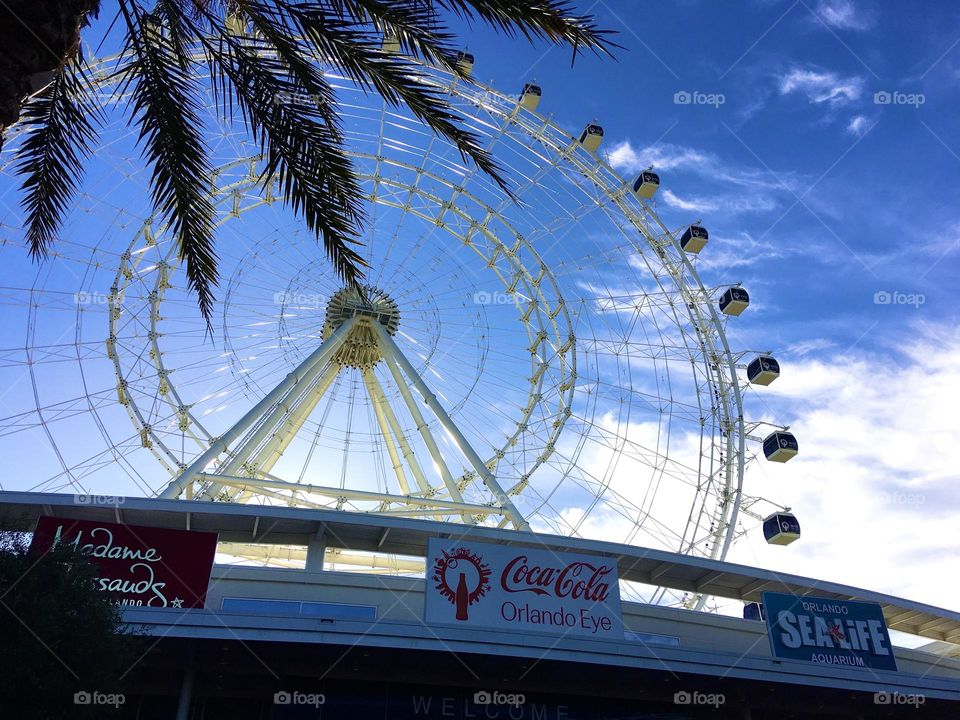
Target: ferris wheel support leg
{"points": [[287, 418], [422, 426], [385, 430], [382, 407], [319, 357], [278, 444], [396, 360], [408, 454], [282, 417]]}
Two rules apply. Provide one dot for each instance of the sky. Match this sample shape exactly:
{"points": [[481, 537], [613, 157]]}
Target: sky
{"points": [[818, 142]]}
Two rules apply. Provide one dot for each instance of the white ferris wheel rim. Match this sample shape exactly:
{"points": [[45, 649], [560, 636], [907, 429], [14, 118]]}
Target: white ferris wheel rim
{"points": [[659, 242]]}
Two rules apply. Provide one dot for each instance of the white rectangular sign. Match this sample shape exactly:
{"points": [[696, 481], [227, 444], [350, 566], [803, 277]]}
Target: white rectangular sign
{"points": [[471, 584]]}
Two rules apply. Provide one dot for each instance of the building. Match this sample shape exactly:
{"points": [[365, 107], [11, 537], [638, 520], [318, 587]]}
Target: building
{"points": [[315, 643]]}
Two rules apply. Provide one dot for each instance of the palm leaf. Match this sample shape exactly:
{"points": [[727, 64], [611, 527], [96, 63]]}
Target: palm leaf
{"points": [[354, 51], [258, 74], [165, 107], [549, 19], [414, 23], [60, 136], [302, 142]]}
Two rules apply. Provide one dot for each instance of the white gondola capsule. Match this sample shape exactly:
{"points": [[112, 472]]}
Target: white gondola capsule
{"points": [[591, 136], [646, 184], [465, 62], [530, 97], [781, 528], [763, 370], [753, 611], [734, 301], [390, 44], [780, 446], [694, 239]]}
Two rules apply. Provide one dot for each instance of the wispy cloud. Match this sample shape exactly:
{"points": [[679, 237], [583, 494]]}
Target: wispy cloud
{"points": [[809, 347], [731, 189], [664, 156], [628, 158], [858, 125], [821, 86], [694, 204], [874, 496], [731, 203], [843, 15], [740, 250]]}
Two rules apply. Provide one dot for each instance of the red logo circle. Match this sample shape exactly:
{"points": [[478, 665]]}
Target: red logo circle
{"points": [[466, 569]]}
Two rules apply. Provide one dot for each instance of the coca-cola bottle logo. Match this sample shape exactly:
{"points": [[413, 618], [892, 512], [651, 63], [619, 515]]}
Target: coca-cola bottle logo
{"points": [[462, 578]]}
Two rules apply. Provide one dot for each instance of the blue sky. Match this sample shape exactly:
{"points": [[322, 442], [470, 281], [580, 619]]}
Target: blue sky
{"points": [[822, 196], [818, 142], [818, 197]]}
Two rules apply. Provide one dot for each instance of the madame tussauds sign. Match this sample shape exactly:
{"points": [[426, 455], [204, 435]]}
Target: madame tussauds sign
{"points": [[145, 566], [473, 584]]}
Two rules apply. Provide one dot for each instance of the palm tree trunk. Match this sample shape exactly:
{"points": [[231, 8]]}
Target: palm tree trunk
{"points": [[36, 38]]}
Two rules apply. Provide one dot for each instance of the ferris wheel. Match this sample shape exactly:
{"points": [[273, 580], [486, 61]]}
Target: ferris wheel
{"points": [[551, 361]]}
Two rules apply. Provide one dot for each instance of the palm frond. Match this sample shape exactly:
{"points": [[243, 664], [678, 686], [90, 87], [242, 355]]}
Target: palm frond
{"points": [[60, 136], [275, 77], [165, 107], [414, 24], [299, 134], [553, 20], [354, 51]]}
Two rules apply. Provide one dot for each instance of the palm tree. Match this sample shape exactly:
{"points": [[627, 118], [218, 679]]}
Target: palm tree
{"points": [[255, 51]]}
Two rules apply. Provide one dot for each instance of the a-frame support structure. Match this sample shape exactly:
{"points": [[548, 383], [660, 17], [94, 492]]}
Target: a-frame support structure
{"points": [[358, 336]]}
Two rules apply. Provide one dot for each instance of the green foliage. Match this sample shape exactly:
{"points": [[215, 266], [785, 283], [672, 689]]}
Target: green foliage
{"points": [[259, 53], [60, 635]]}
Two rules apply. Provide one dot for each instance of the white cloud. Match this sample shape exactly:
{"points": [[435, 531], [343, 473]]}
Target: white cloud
{"points": [[821, 87], [734, 204], [858, 125], [742, 250], [842, 15], [663, 156], [875, 485], [808, 347], [693, 204], [628, 159], [733, 189]]}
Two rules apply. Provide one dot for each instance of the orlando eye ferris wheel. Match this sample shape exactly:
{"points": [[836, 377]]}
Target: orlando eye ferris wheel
{"points": [[549, 362]]}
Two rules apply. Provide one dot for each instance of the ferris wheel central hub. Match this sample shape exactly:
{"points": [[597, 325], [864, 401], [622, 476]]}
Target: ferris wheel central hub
{"points": [[361, 348]]}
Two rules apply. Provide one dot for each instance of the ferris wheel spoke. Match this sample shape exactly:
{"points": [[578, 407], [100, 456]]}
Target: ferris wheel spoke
{"points": [[567, 340]]}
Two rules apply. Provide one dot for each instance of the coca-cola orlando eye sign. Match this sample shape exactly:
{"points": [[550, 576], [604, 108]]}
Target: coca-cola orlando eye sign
{"points": [[537, 589]]}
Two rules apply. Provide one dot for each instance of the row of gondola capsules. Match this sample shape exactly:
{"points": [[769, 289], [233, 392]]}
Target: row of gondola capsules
{"points": [[780, 528]]}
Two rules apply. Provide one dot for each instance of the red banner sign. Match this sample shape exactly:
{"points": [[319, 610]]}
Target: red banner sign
{"points": [[143, 566]]}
